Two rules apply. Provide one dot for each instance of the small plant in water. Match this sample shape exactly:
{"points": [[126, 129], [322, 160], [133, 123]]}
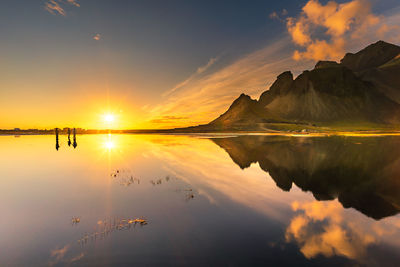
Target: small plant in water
{"points": [[105, 227]]}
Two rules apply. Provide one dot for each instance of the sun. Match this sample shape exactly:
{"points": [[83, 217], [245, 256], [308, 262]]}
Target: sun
{"points": [[109, 118]]}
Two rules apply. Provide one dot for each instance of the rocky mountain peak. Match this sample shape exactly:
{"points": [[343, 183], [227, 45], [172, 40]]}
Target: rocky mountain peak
{"points": [[280, 86], [326, 64], [370, 57]]}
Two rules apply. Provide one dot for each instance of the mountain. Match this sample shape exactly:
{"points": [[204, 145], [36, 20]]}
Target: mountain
{"points": [[343, 168], [363, 89], [379, 64], [373, 56], [245, 112]]}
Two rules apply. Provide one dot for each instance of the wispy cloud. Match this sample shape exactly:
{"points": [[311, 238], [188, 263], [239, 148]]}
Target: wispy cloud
{"points": [[204, 98], [55, 6], [210, 62], [199, 71], [325, 32], [97, 37], [278, 15], [74, 2], [168, 119]]}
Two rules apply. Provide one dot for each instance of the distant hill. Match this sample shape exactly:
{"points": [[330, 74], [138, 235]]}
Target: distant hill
{"points": [[363, 89]]}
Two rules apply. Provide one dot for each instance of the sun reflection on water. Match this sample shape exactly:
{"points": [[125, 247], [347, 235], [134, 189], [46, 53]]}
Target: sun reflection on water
{"points": [[109, 143]]}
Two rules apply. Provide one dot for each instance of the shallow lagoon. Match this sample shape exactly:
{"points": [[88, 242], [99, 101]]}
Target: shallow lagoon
{"points": [[208, 201]]}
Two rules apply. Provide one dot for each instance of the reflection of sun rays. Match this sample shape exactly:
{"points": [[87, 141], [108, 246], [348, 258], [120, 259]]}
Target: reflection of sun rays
{"points": [[109, 150], [109, 144]]}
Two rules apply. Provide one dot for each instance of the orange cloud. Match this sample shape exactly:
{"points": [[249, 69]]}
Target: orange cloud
{"points": [[168, 119], [299, 31], [97, 37], [333, 238], [74, 2], [324, 31], [53, 7], [326, 228], [278, 16], [202, 98]]}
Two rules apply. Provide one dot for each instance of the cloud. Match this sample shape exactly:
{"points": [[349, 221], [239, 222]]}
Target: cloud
{"points": [[74, 2], [168, 119], [55, 8], [274, 15], [278, 16], [204, 97], [97, 37], [326, 228], [199, 71], [326, 31], [210, 62], [321, 230]]}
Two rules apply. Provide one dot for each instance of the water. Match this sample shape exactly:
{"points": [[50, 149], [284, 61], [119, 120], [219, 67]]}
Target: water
{"points": [[223, 201]]}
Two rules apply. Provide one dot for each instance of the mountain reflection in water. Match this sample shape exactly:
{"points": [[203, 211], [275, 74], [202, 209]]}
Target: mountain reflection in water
{"points": [[361, 172]]}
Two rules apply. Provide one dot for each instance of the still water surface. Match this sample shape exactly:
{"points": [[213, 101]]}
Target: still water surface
{"points": [[207, 201]]}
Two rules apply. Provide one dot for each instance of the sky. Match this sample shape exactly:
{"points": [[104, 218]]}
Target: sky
{"points": [[162, 64]]}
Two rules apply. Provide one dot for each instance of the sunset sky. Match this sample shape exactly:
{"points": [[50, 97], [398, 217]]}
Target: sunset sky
{"points": [[160, 64]]}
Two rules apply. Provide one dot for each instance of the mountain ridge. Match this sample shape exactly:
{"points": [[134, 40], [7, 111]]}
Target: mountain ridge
{"points": [[363, 88]]}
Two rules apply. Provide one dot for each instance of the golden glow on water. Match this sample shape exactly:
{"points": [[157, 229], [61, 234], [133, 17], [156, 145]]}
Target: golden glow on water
{"points": [[109, 143], [79, 180]]}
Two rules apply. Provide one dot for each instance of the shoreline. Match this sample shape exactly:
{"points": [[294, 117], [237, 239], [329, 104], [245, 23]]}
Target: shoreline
{"points": [[363, 133]]}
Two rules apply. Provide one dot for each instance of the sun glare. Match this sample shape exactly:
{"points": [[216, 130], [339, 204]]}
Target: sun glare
{"points": [[109, 118], [109, 144]]}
